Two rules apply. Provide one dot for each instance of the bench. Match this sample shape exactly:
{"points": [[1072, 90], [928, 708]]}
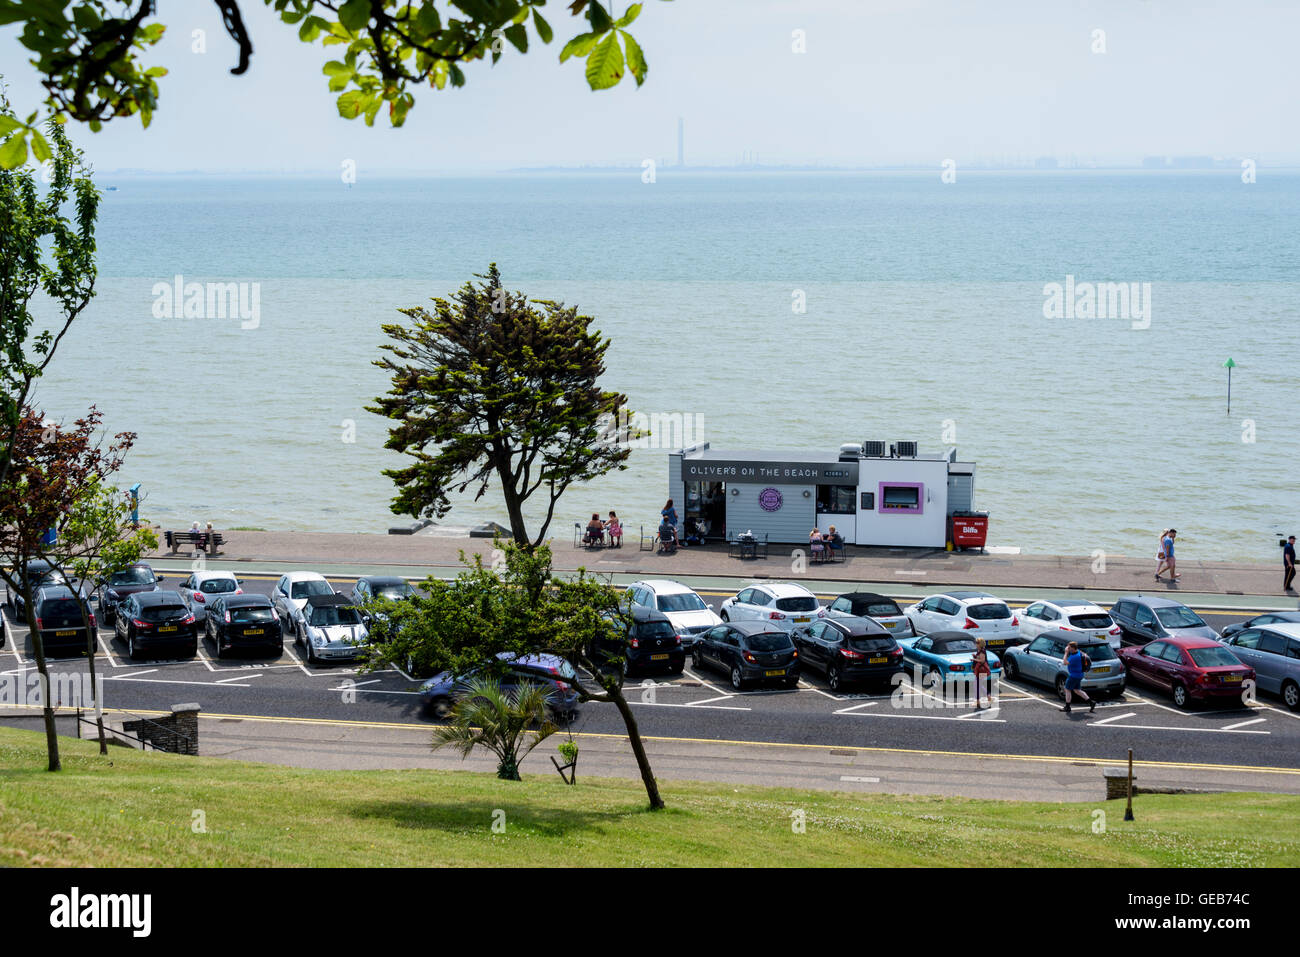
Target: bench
{"points": [[195, 540]]}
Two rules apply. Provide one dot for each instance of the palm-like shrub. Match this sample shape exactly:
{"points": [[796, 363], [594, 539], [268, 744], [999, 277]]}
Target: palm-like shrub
{"points": [[509, 724]]}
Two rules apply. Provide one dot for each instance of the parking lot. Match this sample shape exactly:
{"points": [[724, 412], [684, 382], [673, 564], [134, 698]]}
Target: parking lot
{"points": [[1024, 718]]}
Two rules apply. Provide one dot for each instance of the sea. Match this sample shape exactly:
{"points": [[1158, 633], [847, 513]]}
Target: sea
{"points": [[769, 310]]}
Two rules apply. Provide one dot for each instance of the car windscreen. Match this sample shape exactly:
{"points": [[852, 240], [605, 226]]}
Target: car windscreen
{"points": [[769, 641], [1092, 620], [1099, 652], [1213, 657], [954, 646], [217, 586], [162, 612], [877, 609], [1179, 617], [394, 592], [872, 645], [326, 615], [62, 609], [992, 611], [654, 629], [808, 603], [251, 614], [685, 601], [308, 588], [132, 576]]}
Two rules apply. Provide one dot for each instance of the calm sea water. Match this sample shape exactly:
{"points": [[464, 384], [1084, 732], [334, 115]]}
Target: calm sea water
{"points": [[924, 314]]}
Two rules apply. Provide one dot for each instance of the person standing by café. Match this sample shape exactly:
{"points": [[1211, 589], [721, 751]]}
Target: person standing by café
{"points": [[1076, 666], [670, 515], [1169, 554], [980, 672], [1288, 563], [615, 530]]}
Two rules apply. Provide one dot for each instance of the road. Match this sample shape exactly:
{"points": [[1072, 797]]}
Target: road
{"points": [[1261, 741]]}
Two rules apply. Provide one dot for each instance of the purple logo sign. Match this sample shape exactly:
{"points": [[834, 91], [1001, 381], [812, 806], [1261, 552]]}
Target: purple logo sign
{"points": [[769, 499]]}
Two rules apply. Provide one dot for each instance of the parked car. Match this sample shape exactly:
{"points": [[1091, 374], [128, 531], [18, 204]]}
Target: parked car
{"points": [[1142, 618], [942, 656], [290, 596], [977, 613], [331, 629], [244, 622], [1083, 619], [1190, 669], [552, 672], [849, 650], [127, 581], [1274, 653], [688, 612], [1042, 661], [652, 645], [156, 623], [1268, 618], [40, 573], [870, 605], [782, 605], [390, 587], [59, 619], [751, 652], [200, 588]]}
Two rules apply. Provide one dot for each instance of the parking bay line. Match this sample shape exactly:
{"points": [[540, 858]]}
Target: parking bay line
{"points": [[865, 704], [1242, 724], [1160, 727], [725, 697], [923, 717], [1116, 717], [169, 681], [147, 671], [222, 681]]}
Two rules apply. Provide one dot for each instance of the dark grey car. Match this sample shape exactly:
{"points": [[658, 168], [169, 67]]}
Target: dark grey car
{"points": [[1144, 618], [1274, 653]]}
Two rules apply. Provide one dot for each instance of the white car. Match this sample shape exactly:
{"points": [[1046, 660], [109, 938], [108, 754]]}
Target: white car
{"points": [[684, 609], [977, 613], [783, 605], [331, 629], [290, 594], [1072, 615], [201, 587]]}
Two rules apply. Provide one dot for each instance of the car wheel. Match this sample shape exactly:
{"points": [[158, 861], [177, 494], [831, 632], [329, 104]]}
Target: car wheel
{"points": [[678, 669], [833, 678], [311, 653], [440, 708], [697, 660], [792, 683], [1181, 698], [1060, 687], [1291, 695], [193, 650], [278, 650], [737, 680], [1009, 668], [130, 647]]}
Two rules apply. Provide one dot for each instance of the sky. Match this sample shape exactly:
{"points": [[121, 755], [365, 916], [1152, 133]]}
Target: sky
{"points": [[880, 83]]}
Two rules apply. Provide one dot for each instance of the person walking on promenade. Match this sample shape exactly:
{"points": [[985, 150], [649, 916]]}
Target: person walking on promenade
{"points": [[1076, 666], [1288, 563], [1161, 564], [1169, 554], [980, 670]]}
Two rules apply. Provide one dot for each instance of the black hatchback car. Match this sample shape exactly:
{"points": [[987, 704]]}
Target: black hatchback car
{"points": [[244, 623], [156, 624], [652, 644], [123, 583], [850, 650], [60, 621], [752, 652]]}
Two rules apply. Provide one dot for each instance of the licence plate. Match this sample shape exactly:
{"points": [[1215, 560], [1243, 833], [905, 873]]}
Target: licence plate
{"points": [[658, 657], [800, 621], [64, 634], [774, 674], [996, 641], [1101, 670], [1231, 678], [167, 628], [254, 631], [878, 661]]}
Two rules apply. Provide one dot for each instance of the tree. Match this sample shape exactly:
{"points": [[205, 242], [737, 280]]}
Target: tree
{"points": [[515, 607], [494, 385], [97, 538], [89, 53], [486, 716], [42, 250], [51, 471]]}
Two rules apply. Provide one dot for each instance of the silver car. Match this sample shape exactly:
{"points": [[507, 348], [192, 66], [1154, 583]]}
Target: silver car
{"points": [[1042, 660], [332, 629], [1274, 652], [1144, 618]]}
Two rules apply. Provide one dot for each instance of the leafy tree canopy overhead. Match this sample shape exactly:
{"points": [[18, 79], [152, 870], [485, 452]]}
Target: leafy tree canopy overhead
{"points": [[91, 54]]}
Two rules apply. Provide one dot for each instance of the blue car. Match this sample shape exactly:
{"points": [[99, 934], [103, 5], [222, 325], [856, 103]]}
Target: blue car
{"points": [[943, 656], [552, 672]]}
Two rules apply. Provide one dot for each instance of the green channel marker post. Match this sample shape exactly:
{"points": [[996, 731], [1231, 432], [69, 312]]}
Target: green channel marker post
{"points": [[1229, 365]]}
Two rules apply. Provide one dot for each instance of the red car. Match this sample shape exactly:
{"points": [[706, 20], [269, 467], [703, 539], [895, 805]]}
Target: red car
{"points": [[1191, 669]]}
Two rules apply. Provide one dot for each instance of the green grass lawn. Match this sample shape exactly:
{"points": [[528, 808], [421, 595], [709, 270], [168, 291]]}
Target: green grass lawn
{"points": [[134, 809]]}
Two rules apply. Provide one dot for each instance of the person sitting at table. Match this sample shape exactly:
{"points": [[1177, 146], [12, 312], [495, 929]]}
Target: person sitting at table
{"points": [[815, 543], [595, 530], [667, 537], [834, 540], [615, 530]]}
